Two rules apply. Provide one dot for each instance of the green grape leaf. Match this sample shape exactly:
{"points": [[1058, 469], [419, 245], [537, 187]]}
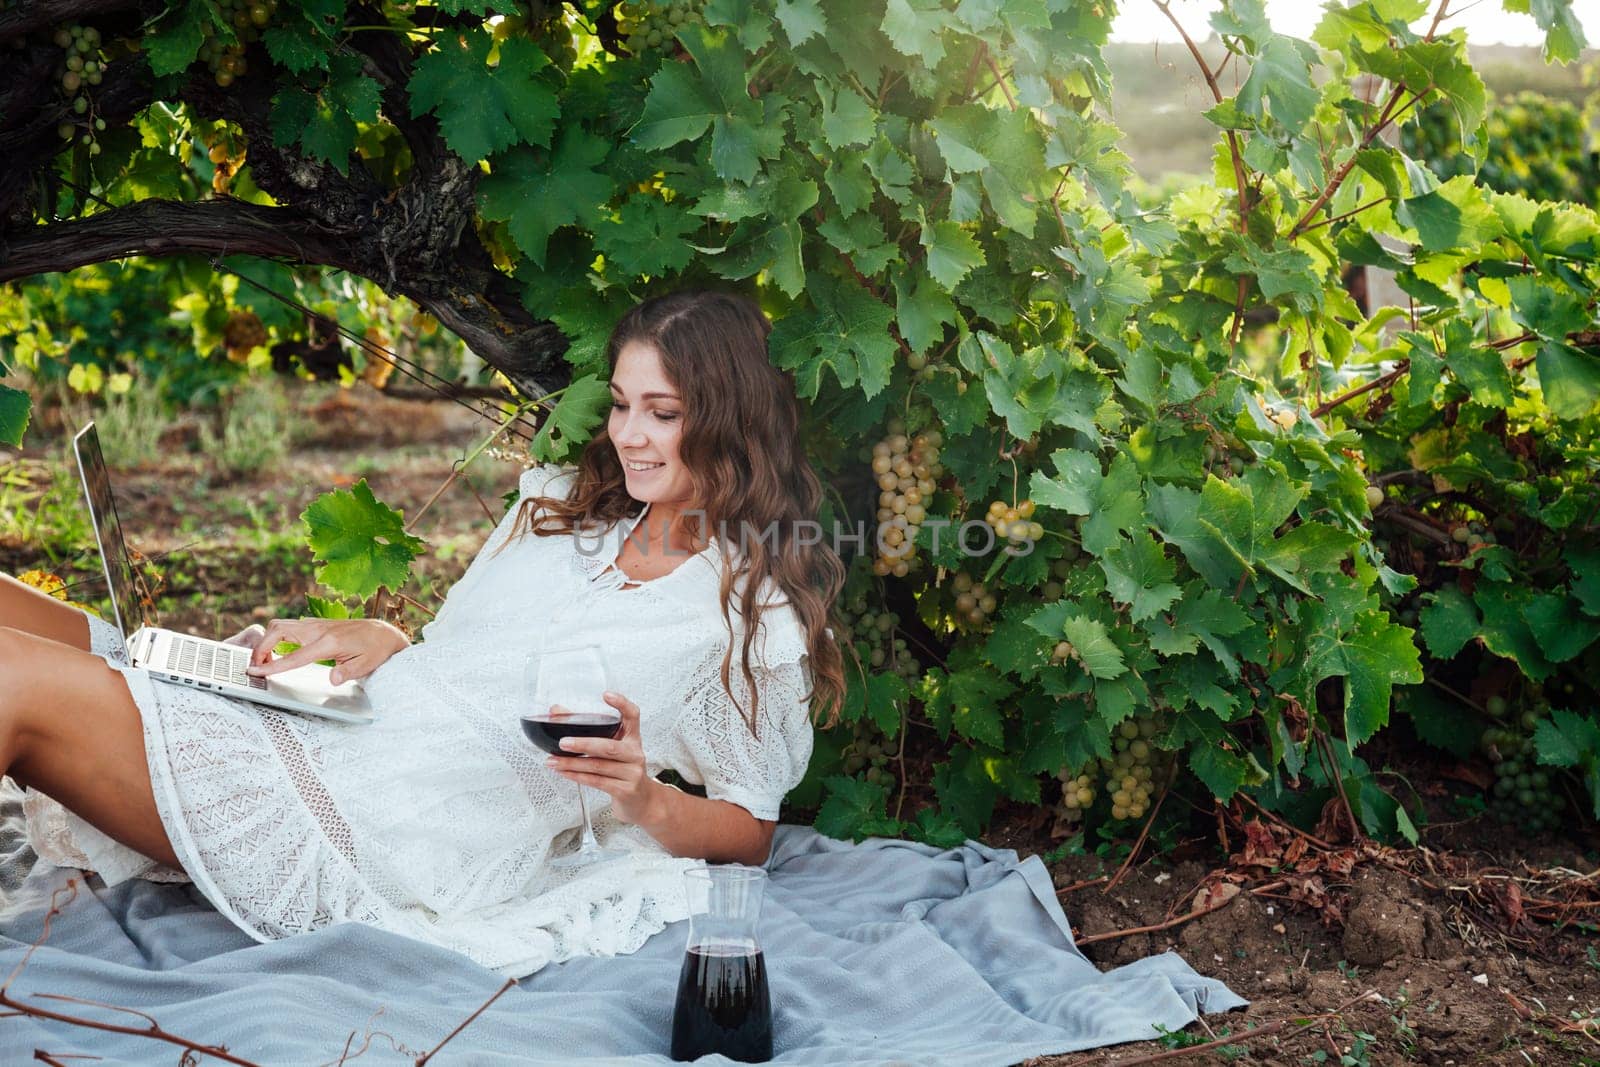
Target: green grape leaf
{"points": [[1455, 215], [1280, 81], [846, 118], [579, 408], [1373, 657], [952, 252], [1567, 739], [801, 20], [361, 543], [916, 28], [681, 105], [886, 697], [175, 44], [846, 330], [975, 694], [483, 109], [922, 310], [936, 828], [1005, 149], [1559, 628], [325, 122], [1098, 653], [1569, 378], [1438, 721], [861, 237], [324, 608], [677, 109], [1139, 574], [850, 183], [297, 45], [1564, 39], [15, 410], [1585, 565], [965, 789], [539, 192], [1448, 622], [1505, 630], [855, 809], [1212, 616], [1222, 771], [1076, 487], [647, 237]]}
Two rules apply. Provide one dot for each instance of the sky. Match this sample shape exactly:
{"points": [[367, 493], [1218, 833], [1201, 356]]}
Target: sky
{"points": [[1484, 20]]}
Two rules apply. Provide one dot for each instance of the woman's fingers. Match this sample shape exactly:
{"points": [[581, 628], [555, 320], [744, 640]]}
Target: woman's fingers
{"points": [[630, 712], [278, 631], [321, 648]]}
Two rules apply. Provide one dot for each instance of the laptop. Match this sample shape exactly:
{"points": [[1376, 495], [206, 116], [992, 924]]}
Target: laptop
{"points": [[181, 659]]}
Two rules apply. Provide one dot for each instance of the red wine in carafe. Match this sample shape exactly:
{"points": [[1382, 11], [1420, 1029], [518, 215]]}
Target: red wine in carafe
{"points": [[723, 1005], [547, 733]]}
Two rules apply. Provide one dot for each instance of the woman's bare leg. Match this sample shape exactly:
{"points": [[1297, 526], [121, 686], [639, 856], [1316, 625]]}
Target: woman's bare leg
{"points": [[23, 607], [70, 729]]}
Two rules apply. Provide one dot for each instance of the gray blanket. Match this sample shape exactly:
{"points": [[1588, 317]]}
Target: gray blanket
{"points": [[884, 952]]}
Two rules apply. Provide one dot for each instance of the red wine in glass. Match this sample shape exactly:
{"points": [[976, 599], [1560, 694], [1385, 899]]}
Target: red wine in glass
{"points": [[550, 729], [723, 1005]]}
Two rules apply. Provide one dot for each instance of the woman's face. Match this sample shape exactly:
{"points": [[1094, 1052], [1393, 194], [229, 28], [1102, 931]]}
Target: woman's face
{"points": [[645, 426]]}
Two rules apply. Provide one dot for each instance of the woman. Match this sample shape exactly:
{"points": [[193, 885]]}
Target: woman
{"points": [[437, 820]]}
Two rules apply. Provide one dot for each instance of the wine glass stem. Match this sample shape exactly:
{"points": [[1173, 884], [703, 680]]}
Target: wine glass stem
{"points": [[588, 843]]}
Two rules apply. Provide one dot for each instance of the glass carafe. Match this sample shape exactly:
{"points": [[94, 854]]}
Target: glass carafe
{"points": [[723, 1002]]}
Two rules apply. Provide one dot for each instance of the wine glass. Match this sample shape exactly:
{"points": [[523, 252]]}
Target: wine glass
{"points": [[566, 683]]}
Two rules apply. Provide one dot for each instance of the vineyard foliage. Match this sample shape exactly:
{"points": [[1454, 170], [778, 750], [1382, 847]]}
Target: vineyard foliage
{"points": [[1266, 512]]}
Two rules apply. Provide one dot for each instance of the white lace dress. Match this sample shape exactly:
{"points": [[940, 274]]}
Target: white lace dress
{"points": [[436, 820]]}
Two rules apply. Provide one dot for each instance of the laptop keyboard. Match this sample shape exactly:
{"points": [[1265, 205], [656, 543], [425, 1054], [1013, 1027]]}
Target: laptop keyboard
{"points": [[215, 663]]}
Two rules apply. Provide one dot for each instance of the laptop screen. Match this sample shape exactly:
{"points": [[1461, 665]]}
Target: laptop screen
{"points": [[120, 575]]}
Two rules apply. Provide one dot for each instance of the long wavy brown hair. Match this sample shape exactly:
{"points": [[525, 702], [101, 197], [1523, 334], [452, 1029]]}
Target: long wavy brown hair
{"points": [[741, 445]]}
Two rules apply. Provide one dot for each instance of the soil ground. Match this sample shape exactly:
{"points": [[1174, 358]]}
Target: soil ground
{"points": [[1350, 954]]}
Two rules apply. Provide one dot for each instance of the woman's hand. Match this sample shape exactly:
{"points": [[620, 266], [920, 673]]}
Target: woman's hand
{"points": [[614, 766], [357, 646]]}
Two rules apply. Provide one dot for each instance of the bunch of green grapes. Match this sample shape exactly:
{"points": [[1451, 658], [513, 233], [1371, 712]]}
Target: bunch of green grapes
{"points": [[225, 58], [1060, 568], [83, 65], [974, 602], [1013, 522], [1077, 793], [553, 34], [1130, 772], [907, 470], [1523, 793], [650, 25], [868, 751], [886, 649]]}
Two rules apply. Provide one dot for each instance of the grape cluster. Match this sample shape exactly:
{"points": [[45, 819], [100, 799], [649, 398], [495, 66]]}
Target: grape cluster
{"points": [[552, 33], [649, 25], [1077, 794], [907, 470], [1523, 793], [974, 602], [1013, 523], [225, 58], [886, 650], [1131, 771], [1127, 778], [1060, 568], [83, 65], [868, 750], [227, 153]]}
